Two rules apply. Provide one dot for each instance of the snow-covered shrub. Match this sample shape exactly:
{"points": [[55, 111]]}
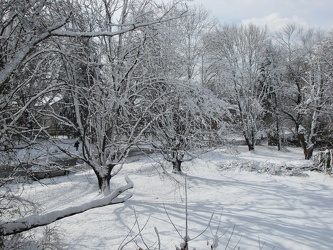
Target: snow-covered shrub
{"points": [[50, 239], [263, 167], [323, 161]]}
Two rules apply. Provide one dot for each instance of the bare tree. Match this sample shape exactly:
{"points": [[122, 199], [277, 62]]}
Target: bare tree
{"points": [[316, 97], [189, 124], [189, 32], [270, 81], [304, 83], [235, 53], [87, 53]]}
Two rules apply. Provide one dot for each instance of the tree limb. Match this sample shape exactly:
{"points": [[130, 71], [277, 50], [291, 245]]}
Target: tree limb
{"points": [[29, 222]]}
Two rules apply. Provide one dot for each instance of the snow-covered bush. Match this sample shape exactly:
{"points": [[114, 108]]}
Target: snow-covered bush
{"points": [[49, 239], [264, 167], [323, 160]]}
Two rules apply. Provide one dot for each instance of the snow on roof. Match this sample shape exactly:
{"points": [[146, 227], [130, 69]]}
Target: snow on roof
{"points": [[49, 100]]}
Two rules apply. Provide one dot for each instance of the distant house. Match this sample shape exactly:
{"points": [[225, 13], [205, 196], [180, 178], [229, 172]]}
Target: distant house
{"points": [[46, 108]]}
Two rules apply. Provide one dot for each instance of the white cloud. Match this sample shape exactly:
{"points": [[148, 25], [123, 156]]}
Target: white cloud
{"points": [[275, 14], [275, 21]]}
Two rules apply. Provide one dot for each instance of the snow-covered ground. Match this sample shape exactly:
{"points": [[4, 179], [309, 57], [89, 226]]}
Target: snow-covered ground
{"points": [[258, 200]]}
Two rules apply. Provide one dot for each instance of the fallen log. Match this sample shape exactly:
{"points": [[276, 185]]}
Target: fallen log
{"points": [[32, 221]]}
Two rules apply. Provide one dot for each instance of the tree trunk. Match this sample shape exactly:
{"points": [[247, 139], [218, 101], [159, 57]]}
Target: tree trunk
{"points": [[278, 127], [176, 166], [278, 133], [307, 148], [308, 152], [250, 146], [104, 177], [104, 183], [249, 141]]}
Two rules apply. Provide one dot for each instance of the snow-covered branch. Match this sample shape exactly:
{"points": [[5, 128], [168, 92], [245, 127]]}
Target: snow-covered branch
{"points": [[27, 223], [130, 27]]}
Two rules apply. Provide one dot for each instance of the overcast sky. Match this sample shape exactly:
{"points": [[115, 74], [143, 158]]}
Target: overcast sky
{"points": [[274, 13]]}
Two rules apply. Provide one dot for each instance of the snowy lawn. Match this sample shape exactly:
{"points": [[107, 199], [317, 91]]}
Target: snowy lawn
{"points": [[259, 203]]}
